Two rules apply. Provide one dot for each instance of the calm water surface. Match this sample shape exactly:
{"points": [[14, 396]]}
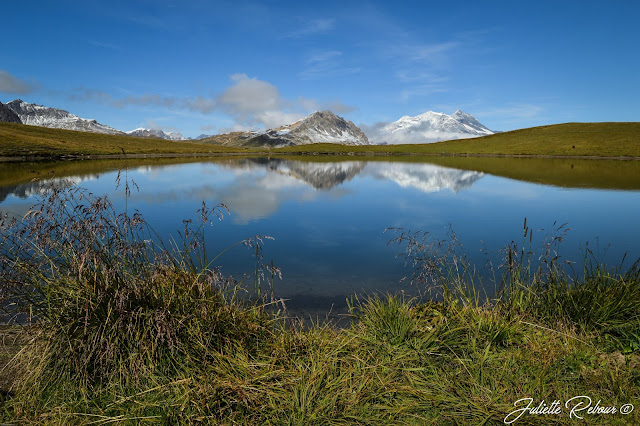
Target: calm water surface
{"points": [[328, 218]]}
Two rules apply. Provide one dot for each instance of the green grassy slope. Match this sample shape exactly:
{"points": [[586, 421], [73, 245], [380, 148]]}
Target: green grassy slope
{"points": [[570, 139], [23, 140]]}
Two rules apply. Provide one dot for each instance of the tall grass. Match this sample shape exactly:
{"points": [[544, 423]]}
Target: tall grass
{"points": [[109, 302], [124, 329]]}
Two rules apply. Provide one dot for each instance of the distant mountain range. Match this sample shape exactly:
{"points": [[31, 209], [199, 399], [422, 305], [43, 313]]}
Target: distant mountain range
{"points": [[18, 111], [155, 133], [320, 126], [429, 127], [38, 115]]}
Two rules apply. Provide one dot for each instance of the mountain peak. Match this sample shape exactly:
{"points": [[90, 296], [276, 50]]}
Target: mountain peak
{"points": [[317, 127], [324, 113], [431, 126], [325, 126]]}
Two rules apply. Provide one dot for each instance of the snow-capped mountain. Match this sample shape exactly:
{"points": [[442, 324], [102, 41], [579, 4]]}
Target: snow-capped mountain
{"points": [[429, 127], [321, 126], [155, 133], [38, 115]]}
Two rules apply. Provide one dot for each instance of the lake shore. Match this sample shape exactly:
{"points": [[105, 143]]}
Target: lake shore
{"points": [[359, 155]]}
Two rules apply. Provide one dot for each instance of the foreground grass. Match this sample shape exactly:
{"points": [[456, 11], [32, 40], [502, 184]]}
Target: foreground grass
{"points": [[399, 363], [128, 331]]}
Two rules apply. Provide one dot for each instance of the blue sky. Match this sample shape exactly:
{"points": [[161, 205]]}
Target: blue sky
{"points": [[210, 67]]}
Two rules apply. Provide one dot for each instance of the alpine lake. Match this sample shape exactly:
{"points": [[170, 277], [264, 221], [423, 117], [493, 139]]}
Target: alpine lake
{"points": [[329, 216]]}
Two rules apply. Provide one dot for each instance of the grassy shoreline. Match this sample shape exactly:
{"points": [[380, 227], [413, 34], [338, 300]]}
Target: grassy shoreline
{"points": [[129, 331], [570, 140]]}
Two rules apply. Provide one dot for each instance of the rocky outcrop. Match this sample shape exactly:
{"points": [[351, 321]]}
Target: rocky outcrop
{"points": [[7, 115]]}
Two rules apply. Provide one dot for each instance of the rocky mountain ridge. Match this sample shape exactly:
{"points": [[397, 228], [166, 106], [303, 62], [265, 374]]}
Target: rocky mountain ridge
{"points": [[7, 114], [43, 116], [39, 115], [318, 127]]}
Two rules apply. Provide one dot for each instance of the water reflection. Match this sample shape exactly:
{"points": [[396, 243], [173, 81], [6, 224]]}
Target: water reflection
{"points": [[425, 177], [259, 187], [328, 218]]}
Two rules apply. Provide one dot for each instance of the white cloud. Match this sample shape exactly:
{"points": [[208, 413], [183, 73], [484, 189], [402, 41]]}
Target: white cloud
{"points": [[335, 105], [249, 96], [12, 84], [199, 104], [271, 119], [251, 103], [256, 103]]}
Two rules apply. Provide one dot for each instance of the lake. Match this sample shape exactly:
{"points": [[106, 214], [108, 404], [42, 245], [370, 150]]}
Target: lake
{"points": [[328, 218]]}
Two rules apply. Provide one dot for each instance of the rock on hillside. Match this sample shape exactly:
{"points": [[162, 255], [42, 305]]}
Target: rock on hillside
{"points": [[7, 115]]}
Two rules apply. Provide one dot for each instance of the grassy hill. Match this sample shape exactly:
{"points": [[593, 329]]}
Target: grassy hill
{"points": [[570, 139], [24, 140]]}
